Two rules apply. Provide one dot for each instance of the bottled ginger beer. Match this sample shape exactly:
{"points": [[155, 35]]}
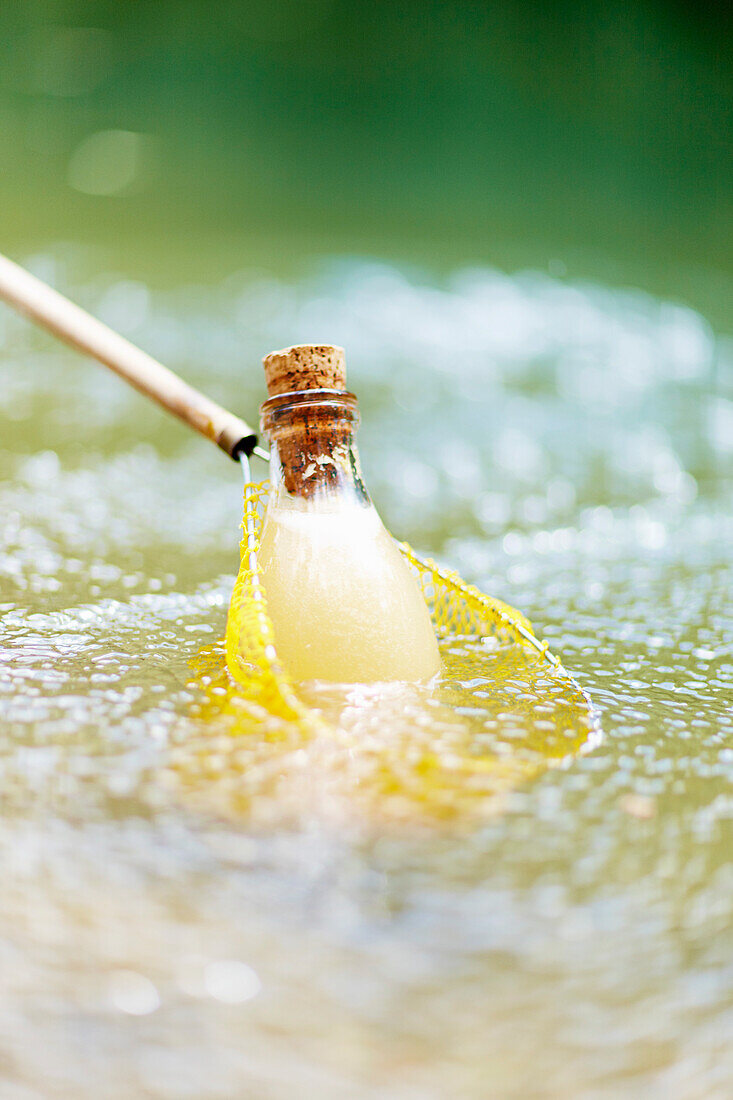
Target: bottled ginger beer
{"points": [[344, 604]]}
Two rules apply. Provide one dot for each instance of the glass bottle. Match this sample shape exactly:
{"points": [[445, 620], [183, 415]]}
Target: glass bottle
{"points": [[343, 602]]}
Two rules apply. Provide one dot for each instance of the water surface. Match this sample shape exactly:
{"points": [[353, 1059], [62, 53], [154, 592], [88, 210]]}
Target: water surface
{"points": [[566, 447]]}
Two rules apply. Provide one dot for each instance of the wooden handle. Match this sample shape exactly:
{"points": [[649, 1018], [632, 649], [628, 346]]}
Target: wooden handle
{"points": [[78, 328]]}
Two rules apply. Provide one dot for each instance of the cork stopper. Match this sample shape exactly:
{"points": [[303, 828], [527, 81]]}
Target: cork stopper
{"points": [[310, 435], [305, 367]]}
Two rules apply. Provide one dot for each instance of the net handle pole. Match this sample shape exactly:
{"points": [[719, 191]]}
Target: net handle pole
{"points": [[44, 305]]}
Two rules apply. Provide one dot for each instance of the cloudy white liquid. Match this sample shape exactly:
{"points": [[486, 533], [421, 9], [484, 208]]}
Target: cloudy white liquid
{"points": [[343, 602]]}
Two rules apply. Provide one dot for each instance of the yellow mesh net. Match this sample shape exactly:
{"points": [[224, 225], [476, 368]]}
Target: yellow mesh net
{"points": [[503, 709], [251, 653]]}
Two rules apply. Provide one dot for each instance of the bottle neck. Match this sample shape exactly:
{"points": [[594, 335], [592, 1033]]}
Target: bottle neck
{"points": [[313, 453]]}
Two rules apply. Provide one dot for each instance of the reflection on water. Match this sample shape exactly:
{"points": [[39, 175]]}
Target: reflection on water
{"points": [[158, 936], [375, 756]]}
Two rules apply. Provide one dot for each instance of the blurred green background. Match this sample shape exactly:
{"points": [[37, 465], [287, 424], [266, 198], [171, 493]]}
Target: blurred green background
{"points": [[189, 139]]}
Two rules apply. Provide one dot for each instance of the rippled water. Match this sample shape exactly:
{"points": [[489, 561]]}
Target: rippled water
{"points": [[568, 448]]}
